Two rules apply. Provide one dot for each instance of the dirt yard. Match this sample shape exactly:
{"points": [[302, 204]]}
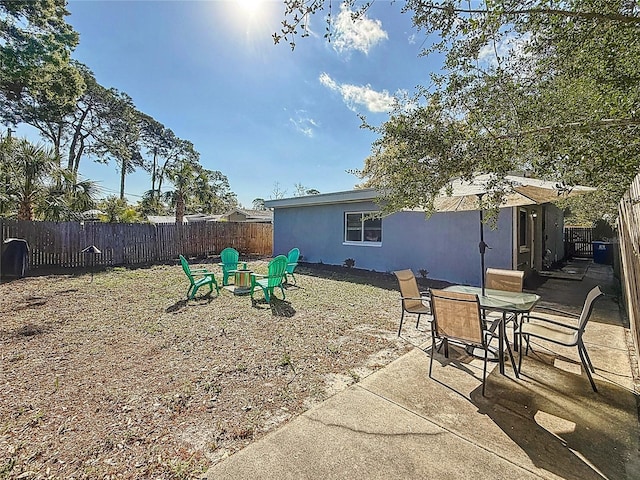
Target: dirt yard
{"points": [[120, 377]]}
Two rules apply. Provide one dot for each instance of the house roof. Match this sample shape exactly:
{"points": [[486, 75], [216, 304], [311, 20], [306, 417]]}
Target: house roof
{"points": [[357, 195], [161, 218], [91, 214], [523, 191], [201, 217], [252, 215], [192, 218], [526, 191]]}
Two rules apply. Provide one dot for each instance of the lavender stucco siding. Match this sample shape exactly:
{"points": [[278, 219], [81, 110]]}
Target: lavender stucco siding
{"points": [[446, 244]]}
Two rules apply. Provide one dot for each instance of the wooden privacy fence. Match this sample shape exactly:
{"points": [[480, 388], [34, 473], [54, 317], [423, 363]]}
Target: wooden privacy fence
{"points": [[578, 242], [53, 244], [629, 237]]}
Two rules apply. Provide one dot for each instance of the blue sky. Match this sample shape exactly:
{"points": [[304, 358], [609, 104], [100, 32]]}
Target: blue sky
{"points": [[256, 111]]}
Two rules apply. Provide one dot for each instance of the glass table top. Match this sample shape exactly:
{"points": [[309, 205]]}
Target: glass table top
{"points": [[500, 299]]}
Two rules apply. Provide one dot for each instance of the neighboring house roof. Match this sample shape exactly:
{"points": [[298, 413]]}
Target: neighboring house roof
{"points": [[161, 218], [92, 214], [193, 218], [250, 215], [202, 217], [358, 195]]}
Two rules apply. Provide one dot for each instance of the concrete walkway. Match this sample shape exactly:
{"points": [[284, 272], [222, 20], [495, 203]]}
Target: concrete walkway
{"points": [[400, 424]]}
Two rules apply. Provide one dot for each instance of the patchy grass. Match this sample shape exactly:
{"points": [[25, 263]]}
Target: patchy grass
{"points": [[121, 376]]}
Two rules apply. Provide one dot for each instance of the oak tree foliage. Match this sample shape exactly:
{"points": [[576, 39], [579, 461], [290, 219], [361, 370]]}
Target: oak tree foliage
{"points": [[37, 79], [546, 88]]}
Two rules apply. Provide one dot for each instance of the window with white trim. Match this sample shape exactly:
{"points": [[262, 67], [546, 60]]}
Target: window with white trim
{"points": [[362, 228]]}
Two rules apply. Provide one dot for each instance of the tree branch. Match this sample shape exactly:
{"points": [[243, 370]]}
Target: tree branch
{"points": [[614, 17], [607, 122]]}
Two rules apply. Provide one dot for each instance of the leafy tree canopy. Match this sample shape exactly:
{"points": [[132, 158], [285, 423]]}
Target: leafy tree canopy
{"points": [[551, 88], [117, 210], [197, 190], [36, 78], [258, 204], [301, 190]]}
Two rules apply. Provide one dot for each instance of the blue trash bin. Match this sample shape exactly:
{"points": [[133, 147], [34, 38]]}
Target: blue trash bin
{"points": [[603, 253]]}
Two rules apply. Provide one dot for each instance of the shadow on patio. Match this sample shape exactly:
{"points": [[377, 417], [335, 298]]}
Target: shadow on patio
{"points": [[564, 428]]}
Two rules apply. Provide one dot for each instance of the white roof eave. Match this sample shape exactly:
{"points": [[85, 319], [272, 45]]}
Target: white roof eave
{"points": [[359, 195]]}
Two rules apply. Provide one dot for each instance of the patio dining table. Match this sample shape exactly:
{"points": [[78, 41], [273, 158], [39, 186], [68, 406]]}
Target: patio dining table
{"points": [[505, 302]]}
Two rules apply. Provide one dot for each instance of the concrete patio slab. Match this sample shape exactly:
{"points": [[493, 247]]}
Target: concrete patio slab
{"points": [[358, 434], [399, 423]]}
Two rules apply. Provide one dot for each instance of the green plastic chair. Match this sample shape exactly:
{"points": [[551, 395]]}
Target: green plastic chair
{"points": [[208, 278], [292, 263], [228, 262], [273, 279]]}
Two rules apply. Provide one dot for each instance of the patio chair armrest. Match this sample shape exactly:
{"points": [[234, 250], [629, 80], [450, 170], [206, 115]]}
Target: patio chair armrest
{"points": [[415, 298], [492, 328], [490, 324], [553, 322], [259, 275], [204, 273]]}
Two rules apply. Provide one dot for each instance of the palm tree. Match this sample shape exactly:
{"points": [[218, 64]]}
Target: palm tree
{"points": [[36, 188], [66, 197], [183, 177], [31, 166]]}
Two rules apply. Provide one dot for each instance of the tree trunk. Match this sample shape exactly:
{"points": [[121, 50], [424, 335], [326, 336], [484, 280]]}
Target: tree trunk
{"points": [[56, 144], [123, 174], [179, 208], [153, 172], [161, 177], [25, 210], [76, 164], [74, 158]]}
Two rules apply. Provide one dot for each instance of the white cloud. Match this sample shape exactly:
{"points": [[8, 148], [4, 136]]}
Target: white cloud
{"points": [[354, 95], [361, 33], [329, 82], [303, 124]]}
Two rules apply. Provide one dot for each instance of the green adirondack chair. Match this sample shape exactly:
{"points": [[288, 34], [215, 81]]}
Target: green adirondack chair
{"points": [[273, 279], [228, 262], [208, 278], [292, 263]]}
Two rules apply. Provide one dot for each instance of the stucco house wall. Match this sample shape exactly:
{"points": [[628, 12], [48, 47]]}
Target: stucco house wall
{"points": [[445, 244]]}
